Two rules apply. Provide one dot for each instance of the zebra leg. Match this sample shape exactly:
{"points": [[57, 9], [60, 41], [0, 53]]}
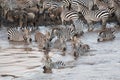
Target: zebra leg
{"points": [[90, 26], [104, 23], [62, 21]]}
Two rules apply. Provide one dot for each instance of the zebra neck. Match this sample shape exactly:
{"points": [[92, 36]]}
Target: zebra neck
{"points": [[84, 10]]}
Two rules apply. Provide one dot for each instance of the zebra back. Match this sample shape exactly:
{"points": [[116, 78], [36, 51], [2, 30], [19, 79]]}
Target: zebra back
{"points": [[64, 32], [67, 3], [15, 35], [58, 65], [25, 3], [68, 15], [87, 3]]}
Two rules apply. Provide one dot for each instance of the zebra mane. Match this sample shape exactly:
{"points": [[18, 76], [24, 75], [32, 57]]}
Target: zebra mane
{"points": [[11, 27]]}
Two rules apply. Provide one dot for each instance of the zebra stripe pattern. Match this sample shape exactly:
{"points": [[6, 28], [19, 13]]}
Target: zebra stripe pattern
{"points": [[40, 38], [54, 65], [15, 34], [64, 32], [67, 15], [67, 3], [58, 65], [46, 4], [25, 3], [87, 3], [107, 34], [54, 5], [79, 49], [96, 15]]}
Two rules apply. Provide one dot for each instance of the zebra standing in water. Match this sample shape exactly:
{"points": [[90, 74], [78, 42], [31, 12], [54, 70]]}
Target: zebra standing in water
{"points": [[15, 34], [43, 40], [64, 32], [53, 65], [94, 15]]}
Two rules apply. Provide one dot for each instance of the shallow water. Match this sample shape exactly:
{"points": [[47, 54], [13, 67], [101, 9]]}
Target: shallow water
{"points": [[21, 62]]}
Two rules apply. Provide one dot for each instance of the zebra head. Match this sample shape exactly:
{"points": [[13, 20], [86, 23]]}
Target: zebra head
{"points": [[27, 35], [48, 39], [55, 32]]}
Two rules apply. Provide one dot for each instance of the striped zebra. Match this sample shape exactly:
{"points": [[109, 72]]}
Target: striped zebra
{"points": [[101, 4], [46, 4], [68, 15], [54, 5], [43, 40], [59, 43], [58, 65], [106, 35], [65, 32], [15, 34], [87, 3], [54, 65], [94, 15], [24, 3], [116, 4], [67, 4], [79, 49]]}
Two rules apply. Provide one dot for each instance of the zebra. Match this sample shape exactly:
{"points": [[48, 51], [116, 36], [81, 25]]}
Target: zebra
{"points": [[87, 3], [58, 65], [55, 10], [46, 5], [41, 39], [54, 5], [15, 34], [67, 4], [116, 4], [79, 48], [24, 3], [54, 65], [59, 43], [95, 15], [68, 15], [101, 4], [64, 32], [106, 35]]}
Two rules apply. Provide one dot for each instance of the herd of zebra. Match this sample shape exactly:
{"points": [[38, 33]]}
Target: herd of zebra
{"points": [[76, 12]]}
